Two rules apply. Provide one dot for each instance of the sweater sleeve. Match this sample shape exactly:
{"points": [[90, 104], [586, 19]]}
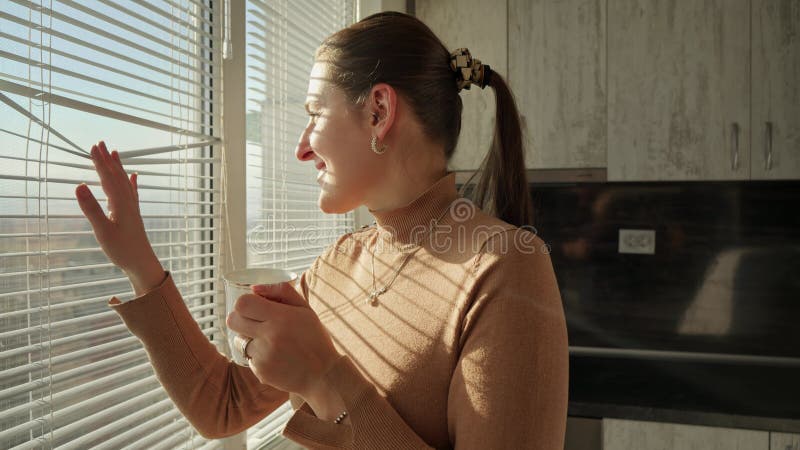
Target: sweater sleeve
{"points": [[218, 397], [374, 423], [510, 385]]}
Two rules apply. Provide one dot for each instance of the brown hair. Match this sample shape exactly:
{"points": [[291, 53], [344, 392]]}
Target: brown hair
{"points": [[400, 50]]}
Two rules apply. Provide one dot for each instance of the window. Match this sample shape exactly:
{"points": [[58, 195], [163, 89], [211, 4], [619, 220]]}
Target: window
{"points": [[142, 77], [285, 227]]}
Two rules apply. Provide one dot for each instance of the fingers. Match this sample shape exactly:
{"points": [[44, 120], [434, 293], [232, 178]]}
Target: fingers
{"points": [[135, 184], [241, 324], [113, 180], [240, 340], [117, 164], [282, 292], [100, 159], [92, 210], [115, 155], [134, 187], [257, 308], [114, 165], [106, 177]]}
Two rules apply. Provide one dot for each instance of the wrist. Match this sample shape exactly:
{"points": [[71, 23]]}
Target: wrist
{"points": [[146, 277], [323, 398], [324, 401]]}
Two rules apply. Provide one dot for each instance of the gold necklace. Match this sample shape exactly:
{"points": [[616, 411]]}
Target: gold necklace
{"points": [[372, 299]]}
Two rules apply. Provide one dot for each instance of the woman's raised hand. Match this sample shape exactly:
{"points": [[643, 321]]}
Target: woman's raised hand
{"points": [[121, 234]]}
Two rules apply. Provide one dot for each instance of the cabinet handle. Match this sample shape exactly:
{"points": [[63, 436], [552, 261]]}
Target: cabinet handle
{"points": [[768, 146], [735, 146]]}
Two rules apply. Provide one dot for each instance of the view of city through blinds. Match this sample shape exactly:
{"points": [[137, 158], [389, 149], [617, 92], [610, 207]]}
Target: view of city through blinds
{"points": [[71, 374]]}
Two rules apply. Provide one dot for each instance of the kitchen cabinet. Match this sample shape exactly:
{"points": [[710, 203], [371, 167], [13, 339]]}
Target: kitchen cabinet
{"points": [[557, 71], [776, 89], [619, 434], [481, 27], [784, 441], [678, 84], [649, 89]]}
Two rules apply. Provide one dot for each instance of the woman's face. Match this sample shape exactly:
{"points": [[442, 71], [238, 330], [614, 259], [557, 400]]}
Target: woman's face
{"points": [[337, 141]]}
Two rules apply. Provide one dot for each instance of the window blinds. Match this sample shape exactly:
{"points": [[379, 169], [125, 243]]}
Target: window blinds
{"points": [[286, 228], [142, 77]]}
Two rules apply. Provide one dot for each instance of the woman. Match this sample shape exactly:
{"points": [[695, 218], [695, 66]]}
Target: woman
{"points": [[439, 326]]}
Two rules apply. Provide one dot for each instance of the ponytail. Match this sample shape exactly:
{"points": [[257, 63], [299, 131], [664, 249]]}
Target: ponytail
{"points": [[502, 189]]}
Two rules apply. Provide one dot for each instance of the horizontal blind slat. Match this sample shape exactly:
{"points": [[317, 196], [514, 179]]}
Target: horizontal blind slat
{"points": [[97, 351], [67, 102], [88, 167], [117, 38], [6, 435], [97, 64], [71, 304], [88, 233], [97, 183], [139, 429], [109, 265], [43, 346], [176, 19], [119, 432], [198, 44], [84, 388], [100, 49], [30, 62], [81, 320], [152, 441], [66, 375], [85, 95]]}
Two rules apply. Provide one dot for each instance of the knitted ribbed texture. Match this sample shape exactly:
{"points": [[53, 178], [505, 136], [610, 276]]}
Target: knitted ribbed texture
{"points": [[410, 223], [467, 349], [219, 398]]}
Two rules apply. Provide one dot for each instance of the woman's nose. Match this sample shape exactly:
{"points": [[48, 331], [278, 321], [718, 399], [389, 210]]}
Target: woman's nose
{"points": [[303, 151]]}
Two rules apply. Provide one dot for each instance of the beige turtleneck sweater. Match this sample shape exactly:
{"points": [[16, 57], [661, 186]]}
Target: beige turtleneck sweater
{"points": [[467, 349]]}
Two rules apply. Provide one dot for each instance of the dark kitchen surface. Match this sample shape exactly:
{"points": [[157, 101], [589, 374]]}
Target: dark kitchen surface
{"points": [[723, 281], [726, 395]]}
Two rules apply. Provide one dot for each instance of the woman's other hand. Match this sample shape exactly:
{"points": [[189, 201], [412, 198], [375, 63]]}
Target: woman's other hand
{"points": [[121, 234], [291, 349]]}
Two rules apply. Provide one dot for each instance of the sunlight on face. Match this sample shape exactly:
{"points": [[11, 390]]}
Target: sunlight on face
{"points": [[338, 138]]}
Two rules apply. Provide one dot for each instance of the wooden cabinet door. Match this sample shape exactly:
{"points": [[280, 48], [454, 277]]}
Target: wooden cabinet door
{"points": [[481, 27], [621, 434], [557, 71], [678, 90], [776, 89]]}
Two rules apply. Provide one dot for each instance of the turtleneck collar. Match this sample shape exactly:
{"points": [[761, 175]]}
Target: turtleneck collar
{"points": [[408, 223]]}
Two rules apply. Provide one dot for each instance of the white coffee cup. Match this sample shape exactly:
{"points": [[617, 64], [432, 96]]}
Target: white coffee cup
{"points": [[238, 283]]}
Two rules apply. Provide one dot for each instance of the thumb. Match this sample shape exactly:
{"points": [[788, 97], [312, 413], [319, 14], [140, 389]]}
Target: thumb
{"points": [[91, 209], [281, 292]]}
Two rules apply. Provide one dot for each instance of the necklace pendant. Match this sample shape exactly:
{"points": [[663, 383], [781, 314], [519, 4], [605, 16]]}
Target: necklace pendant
{"points": [[373, 296]]}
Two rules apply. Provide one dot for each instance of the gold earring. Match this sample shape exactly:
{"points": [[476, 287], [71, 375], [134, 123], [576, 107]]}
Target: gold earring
{"points": [[374, 144]]}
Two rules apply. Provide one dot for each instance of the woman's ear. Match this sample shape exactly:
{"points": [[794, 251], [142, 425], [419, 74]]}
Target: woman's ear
{"points": [[382, 109]]}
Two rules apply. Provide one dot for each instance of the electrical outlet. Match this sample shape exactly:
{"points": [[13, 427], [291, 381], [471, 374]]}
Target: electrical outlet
{"points": [[642, 242]]}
